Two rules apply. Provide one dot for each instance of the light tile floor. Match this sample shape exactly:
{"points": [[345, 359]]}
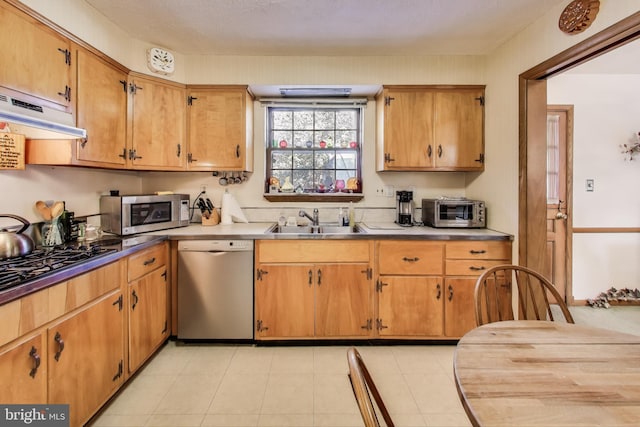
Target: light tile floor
{"points": [[226, 385]]}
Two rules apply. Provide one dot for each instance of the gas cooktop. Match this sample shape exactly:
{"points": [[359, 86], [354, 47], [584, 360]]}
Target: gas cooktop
{"points": [[46, 261]]}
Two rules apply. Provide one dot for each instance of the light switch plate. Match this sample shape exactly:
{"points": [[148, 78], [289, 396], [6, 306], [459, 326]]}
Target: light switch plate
{"points": [[589, 184]]}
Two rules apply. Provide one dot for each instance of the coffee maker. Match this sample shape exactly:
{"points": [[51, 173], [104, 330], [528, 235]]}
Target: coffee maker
{"points": [[404, 208]]}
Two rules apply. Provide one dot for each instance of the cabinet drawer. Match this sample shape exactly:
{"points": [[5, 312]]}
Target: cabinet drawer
{"points": [[312, 251], [482, 249], [410, 258], [470, 267], [147, 260]]}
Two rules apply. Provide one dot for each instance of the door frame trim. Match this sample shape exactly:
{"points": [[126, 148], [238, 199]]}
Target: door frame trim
{"points": [[532, 132]]}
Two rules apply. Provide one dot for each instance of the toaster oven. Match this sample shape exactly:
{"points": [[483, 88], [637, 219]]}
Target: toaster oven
{"points": [[450, 212]]}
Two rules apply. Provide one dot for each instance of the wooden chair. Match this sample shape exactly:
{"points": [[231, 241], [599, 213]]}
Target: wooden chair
{"points": [[494, 289], [363, 388]]}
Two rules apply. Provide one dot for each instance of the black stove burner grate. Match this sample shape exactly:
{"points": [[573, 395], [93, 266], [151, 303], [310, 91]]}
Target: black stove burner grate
{"points": [[40, 262]]}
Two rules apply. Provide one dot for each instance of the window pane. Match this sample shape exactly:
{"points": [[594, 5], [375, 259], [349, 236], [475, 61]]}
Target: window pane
{"points": [[345, 175], [281, 159], [346, 160], [282, 119], [325, 159], [346, 120], [279, 136], [325, 180], [303, 138], [303, 160], [325, 119], [303, 179], [345, 137], [303, 119], [324, 139]]}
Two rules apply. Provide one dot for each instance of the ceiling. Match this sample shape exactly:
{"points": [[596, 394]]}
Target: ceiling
{"points": [[324, 27]]}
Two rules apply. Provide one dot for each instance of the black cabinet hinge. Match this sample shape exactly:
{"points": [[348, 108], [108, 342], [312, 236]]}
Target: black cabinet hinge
{"points": [[481, 99], [118, 302], [190, 100]]}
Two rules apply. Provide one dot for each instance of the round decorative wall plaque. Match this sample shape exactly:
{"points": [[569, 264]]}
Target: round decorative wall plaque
{"points": [[578, 16]]}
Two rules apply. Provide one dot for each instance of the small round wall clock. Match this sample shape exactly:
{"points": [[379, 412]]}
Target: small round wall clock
{"points": [[578, 16], [160, 61]]}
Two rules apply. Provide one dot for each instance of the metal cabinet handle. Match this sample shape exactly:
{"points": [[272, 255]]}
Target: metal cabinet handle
{"points": [[439, 150], [450, 292], [58, 339], [135, 299], [474, 268], [414, 259], [238, 151], [149, 261], [429, 151], [36, 361], [310, 277], [474, 252], [439, 291], [319, 277]]}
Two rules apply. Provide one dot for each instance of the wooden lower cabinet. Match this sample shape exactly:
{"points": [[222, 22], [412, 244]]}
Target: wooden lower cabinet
{"points": [[304, 299], [148, 323], [410, 306], [86, 356], [23, 369], [148, 303], [459, 306], [284, 301]]}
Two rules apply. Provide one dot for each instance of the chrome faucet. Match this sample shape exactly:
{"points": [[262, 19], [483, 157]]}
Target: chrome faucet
{"points": [[315, 220]]}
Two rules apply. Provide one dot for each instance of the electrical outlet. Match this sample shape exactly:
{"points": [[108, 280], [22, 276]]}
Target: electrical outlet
{"points": [[388, 190], [589, 184]]}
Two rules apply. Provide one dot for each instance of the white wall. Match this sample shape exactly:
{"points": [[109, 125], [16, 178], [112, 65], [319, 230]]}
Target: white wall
{"points": [[606, 111]]}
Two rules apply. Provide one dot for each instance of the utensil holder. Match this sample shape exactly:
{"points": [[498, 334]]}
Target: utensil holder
{"points": [[52, 233], [214, 219]]}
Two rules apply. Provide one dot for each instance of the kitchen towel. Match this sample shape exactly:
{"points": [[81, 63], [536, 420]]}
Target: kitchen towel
{"points": [[230, 211]]}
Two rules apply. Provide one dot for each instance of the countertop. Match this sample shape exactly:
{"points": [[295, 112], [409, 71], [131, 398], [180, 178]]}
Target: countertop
{"points": [[249, 231], [369, 230]]}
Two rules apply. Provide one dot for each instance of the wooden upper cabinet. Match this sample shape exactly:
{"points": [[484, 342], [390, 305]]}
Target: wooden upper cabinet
{"points": [[220, 128], [459, 129], [102, 111], [408, 128], [35, 59], [158, 124], [422, 128]]}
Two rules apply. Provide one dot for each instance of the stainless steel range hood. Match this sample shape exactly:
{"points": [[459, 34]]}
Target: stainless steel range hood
{"points": [[37, 121]]}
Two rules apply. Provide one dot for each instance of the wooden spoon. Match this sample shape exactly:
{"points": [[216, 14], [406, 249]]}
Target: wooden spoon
{"points": [[44, 210], [57, 209]]}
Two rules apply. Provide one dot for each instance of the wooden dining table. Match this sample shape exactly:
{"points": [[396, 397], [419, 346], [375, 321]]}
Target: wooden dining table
{"points": [[539, 373]]}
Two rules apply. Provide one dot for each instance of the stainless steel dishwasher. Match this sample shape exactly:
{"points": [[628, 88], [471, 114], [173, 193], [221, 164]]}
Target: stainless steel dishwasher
{"points": [[215, 289]]}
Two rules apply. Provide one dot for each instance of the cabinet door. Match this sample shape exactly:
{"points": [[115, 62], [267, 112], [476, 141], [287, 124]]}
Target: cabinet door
{"points": [[158, 125], [408, 129], [36, 60], [343, 300], [459, 306], [284, 301], [459, 130], [23, 369], [85, 357], [102, 111], [410, 306], [217, 129], [148, 325]]}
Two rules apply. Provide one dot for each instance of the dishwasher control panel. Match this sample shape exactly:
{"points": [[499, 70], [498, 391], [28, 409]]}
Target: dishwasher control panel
{"points": [[215, 245]]}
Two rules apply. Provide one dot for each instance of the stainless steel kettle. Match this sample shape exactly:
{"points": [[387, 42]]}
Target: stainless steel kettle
{"points": [[14, 244]]}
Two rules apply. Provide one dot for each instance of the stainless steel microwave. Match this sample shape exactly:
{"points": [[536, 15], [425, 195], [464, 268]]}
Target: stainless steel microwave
{"points": [[132, 214], [449, 212]]}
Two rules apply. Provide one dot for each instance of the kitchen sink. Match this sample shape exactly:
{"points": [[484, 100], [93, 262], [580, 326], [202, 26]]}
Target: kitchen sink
{"points": [[309, 229]]}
